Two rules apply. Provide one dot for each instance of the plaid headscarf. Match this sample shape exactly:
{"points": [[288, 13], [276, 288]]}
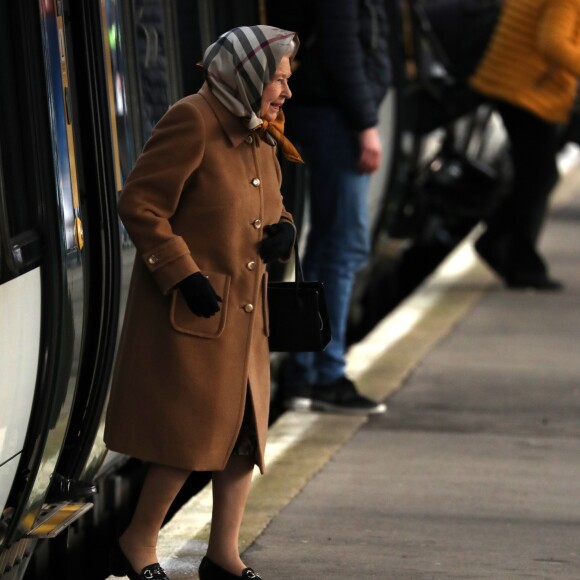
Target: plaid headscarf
{"points": [[237, 67]]}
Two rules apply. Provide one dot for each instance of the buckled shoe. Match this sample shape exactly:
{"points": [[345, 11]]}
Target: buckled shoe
{"points": [[119, 565], [209, 570]]}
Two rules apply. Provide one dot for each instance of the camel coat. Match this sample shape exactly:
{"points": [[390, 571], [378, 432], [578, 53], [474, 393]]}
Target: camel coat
{"points": [[196, 200]]}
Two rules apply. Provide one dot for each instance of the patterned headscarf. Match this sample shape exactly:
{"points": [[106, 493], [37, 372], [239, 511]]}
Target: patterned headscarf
{"points": [[240, 63]]}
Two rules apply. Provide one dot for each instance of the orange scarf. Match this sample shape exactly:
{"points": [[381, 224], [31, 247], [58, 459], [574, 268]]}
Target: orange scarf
{"points": [[276, 129]]}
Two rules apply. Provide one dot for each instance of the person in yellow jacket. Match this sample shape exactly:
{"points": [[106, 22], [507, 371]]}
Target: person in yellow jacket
{"points": [[530, 69]]}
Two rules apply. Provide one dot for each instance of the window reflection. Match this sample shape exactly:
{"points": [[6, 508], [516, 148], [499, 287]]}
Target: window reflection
{"points": [[55, 64], [123, 146]]}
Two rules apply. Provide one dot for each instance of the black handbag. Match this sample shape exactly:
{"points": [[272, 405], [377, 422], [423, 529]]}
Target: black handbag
{"points": [[298, 318]]}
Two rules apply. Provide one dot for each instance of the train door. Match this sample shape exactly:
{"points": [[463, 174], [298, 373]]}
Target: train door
{"points": [[43, 249], [130, 49], [109, 121], [149, 54], [127, 61], [104, 122]]}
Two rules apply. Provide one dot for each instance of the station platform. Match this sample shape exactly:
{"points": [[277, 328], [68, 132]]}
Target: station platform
{"points": [[473, 472]]}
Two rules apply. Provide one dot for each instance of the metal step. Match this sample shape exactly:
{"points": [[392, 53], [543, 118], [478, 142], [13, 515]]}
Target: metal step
{"points": [[54, 518]]}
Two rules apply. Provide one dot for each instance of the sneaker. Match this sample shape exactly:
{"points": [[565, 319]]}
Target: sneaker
{"points": [[340, 396]]}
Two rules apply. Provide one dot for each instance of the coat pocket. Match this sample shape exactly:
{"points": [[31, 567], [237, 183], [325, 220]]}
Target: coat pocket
{"points": [[185, 321]]}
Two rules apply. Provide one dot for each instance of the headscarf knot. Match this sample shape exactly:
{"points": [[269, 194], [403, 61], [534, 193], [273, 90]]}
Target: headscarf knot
{"points": [[276, 129]]}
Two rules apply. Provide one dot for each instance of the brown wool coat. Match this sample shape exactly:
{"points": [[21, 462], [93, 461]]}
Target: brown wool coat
{"points": [[196, 200]]}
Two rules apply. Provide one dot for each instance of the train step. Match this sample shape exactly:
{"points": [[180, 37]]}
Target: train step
{"points": [[54, 518]]}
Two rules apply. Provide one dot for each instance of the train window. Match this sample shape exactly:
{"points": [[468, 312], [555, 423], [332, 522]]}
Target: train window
{"points": [[194, 35], [116, 66], [199, 23], [63, 150], [241, 13], [19, 238], [142, 53], [151, 47]]}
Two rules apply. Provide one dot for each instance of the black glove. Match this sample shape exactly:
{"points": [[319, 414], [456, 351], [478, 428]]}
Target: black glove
{"points": [[200, 295], [278, 243]]}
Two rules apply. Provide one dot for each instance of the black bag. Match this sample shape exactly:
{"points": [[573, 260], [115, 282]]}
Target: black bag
{"points": [[457, 186], [298, 318]]}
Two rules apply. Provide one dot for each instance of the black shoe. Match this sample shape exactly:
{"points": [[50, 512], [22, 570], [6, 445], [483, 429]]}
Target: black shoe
{"points": [[519, 265], [340, 396], [534, 281], [119, 565], [208, 570]]}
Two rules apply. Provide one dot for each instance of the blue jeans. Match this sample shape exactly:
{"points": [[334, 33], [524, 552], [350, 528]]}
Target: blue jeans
{"points": [[338, 241]]}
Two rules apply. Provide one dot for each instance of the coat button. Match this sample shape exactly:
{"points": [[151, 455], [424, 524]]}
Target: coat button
{"points": [[248, 307], [257, 224], [256, 182], [249, 139], [153, 259], [251, 265]]}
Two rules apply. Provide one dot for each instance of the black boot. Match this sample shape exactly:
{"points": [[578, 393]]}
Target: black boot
{"points": [[515, 260], [528, 269]]}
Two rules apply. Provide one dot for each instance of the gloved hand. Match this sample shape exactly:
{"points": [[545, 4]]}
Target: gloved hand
{"points": [[200, 295], [278, 243]]}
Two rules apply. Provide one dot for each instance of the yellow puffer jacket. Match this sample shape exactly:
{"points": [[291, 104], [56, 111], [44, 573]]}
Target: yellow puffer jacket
{"points": [[533, 59]]}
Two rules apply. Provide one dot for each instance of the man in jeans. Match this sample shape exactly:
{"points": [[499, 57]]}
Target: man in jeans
{"points": [[340, 80]]}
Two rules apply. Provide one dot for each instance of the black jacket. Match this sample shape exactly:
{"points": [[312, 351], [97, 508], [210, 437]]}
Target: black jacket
{"points": [[343, 59]]}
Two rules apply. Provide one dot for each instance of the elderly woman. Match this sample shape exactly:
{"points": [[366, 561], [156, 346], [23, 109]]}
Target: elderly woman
{"points": [[203, 206], [531, 69]]}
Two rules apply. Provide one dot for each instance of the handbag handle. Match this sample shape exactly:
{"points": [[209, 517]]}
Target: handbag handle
{"points": [[298, 273]]}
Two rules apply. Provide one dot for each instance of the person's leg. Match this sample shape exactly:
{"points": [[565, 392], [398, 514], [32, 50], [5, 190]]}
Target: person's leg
{"points": [[534, 144], [339, 252], [139, 541], [230, 492], [513, 229], [337, 247], [337, 242]]}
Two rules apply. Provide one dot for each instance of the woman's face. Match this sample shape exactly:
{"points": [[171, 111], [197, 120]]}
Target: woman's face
{"points": [[276, 91]]}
